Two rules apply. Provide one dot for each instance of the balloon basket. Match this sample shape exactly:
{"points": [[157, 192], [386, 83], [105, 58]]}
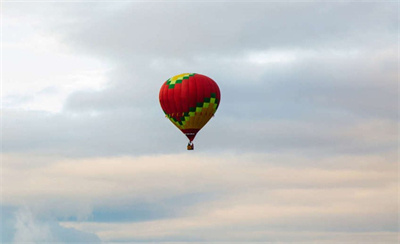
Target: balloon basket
{"points": [[190, 146]]}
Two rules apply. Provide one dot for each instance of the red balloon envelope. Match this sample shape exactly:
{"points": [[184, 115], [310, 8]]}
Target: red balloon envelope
{"points": [[189, 100]]}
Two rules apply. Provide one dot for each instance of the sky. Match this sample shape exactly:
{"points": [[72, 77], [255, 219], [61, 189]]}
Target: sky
{"points": [[303, 147]]}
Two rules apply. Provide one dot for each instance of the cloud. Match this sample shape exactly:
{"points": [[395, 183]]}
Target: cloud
{"points": [[99, 177], [247, 217], [254, 26], [40, 71], [239, 195], [138, 133], [24, 225], [28, 230], [279, 89], [144, 59], [303, 147]]}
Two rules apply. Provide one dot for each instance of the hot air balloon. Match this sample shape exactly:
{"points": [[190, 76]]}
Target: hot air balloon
{"points": [[189, 101]]}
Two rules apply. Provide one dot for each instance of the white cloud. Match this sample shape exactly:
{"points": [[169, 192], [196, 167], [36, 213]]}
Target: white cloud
{"points": [[33, 228], [262, 58], [28, 230], [39, 71]]}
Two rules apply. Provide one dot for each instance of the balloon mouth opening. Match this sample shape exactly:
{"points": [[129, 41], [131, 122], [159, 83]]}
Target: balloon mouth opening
{"points": [[190, 133]]}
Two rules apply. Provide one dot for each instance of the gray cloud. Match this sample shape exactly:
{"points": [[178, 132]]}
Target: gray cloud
{"points": [[179, 29], [136, 133], [312, 84], [310, 94]]}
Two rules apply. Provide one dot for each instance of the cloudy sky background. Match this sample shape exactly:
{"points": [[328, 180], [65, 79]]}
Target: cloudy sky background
{"points": [[303, 148]]}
